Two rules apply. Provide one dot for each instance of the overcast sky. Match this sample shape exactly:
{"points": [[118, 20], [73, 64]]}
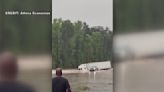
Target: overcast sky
{"points": [[93, 12]]}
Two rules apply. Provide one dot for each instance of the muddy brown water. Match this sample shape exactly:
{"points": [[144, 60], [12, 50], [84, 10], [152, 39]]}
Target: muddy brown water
{"points": [[100, 81], [40, 80], [144, 75], [36, 72]]}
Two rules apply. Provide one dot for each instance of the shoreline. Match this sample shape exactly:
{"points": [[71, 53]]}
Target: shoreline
{"points": [[76, 71], [70, 71]]}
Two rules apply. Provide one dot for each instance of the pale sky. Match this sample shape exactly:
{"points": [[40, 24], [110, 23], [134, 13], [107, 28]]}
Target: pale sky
{"points": [[93, 12]]}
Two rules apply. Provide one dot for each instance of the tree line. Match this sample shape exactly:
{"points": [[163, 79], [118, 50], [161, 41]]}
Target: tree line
{"points": [[74, 43]]}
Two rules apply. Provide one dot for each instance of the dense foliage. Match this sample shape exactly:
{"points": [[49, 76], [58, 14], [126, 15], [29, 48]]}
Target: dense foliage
{"points": [[26, 33], [77, 43], [138, 15]]}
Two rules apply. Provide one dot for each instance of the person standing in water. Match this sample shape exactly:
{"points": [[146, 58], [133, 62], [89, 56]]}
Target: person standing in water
{"points": [[59, 83]]}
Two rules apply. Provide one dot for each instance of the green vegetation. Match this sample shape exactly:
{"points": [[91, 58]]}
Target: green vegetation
{"points": [[25, 34], [76, 43], [138, 15]]}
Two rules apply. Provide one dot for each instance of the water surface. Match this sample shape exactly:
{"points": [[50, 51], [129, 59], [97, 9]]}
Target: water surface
{"points": [[100, 81]]}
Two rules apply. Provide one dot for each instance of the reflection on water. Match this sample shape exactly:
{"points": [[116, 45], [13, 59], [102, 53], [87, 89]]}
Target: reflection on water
{"points": [[100, 81]]}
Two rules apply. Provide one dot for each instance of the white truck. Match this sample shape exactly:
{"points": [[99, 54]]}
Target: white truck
{"points": [[95, 66]]}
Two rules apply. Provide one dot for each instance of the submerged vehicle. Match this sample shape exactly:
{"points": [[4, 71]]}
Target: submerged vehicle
{"points": [[93, 66]]}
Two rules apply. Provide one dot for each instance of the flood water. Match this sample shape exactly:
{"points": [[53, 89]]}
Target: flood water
{"points": [[36, 72], [40, 80], [140, 76], [100, 81]]}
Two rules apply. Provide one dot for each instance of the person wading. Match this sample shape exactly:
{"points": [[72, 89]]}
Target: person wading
{"points": [[59, 83], [8, 75]]}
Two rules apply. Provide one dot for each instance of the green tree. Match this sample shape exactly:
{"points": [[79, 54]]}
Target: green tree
{"points": [[77, 43]]}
